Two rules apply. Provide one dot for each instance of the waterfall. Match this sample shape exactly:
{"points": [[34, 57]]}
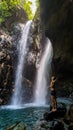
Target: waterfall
{"points": [[17, 96], [41, 78]]}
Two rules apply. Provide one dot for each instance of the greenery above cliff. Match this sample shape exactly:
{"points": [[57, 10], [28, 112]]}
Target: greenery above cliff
{"points": [[7, 8]]}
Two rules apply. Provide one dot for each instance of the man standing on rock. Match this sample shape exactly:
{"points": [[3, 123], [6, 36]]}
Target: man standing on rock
{"points": [[53, 94]]}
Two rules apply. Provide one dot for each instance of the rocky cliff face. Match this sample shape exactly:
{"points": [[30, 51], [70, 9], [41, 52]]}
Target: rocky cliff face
{"points": [[18, 16], [6, 71], [9, 39], [55, 20], [10, 32], [57, 23]]}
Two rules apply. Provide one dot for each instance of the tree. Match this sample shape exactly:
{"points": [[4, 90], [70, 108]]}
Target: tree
{"points": [[7, 8], [27, 8]]}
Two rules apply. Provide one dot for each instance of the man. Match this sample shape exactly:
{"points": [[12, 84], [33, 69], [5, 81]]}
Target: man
{"points": [[53, 94]]}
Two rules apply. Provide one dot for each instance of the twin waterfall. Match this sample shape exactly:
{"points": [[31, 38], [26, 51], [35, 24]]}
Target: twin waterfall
{"points": [[40, 91], [17, 97], [41, 77]]}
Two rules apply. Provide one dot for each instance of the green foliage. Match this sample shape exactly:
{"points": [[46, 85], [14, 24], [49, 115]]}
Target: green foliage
{"points": [[27, 5], [37, 3], [3, 10], [7, 7]]}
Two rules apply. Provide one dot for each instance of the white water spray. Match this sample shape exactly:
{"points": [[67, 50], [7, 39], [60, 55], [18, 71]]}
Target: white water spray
{"points": [[41, 78], [17, 97]]}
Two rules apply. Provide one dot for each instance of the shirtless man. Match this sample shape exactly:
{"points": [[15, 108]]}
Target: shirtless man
{"points": [[53, 93]]}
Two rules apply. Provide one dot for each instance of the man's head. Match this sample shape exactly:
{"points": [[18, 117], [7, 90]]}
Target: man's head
{"points": [[53, 78]]}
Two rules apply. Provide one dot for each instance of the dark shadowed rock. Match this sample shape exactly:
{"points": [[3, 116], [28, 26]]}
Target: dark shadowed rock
{"points": [[57, 23], [71, 113], [66, 121], [6, 71], [57, 125], [53, 115], [70, 127], [50, 125]]}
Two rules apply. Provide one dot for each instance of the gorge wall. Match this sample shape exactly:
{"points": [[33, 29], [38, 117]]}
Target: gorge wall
{"points": [[10, 32], [57, 23], [54, 19]]}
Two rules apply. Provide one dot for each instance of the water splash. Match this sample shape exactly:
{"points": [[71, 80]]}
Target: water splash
{"points": [[17, 96], [41, 79]]}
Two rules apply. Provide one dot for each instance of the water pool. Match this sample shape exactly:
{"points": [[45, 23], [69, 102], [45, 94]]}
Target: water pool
{"points": [[28, 115]]}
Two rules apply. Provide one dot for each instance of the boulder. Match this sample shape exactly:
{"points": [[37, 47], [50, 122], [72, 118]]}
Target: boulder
{"points": [[70, 127], [41, 125], [17, 126], [51, 125], [71, 113], [57, 125], [48, 116]]}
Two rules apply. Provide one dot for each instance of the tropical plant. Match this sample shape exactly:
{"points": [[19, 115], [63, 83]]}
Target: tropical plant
{"points": [[7, 7]]}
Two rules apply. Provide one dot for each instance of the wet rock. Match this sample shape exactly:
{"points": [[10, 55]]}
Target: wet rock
{"points": [[27, 90], [53, 115], [17, 126], [59, 120], [70, 127], [6, 66], [1, 101], [67, 121], [9, 59], [41, 125], [57, 125], [60, 32], [71, 113], [18, 16], [41, 122], [50, 125]]}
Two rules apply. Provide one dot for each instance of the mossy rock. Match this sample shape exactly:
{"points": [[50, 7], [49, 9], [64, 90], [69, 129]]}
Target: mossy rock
{"points": [[17, 126]]}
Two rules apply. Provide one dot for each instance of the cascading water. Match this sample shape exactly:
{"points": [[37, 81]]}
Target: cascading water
{"points": [[41, 79], [17, 97]]}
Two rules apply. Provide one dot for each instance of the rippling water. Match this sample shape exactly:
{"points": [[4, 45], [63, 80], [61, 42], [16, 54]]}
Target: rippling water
{"points": [[28, 115]]}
